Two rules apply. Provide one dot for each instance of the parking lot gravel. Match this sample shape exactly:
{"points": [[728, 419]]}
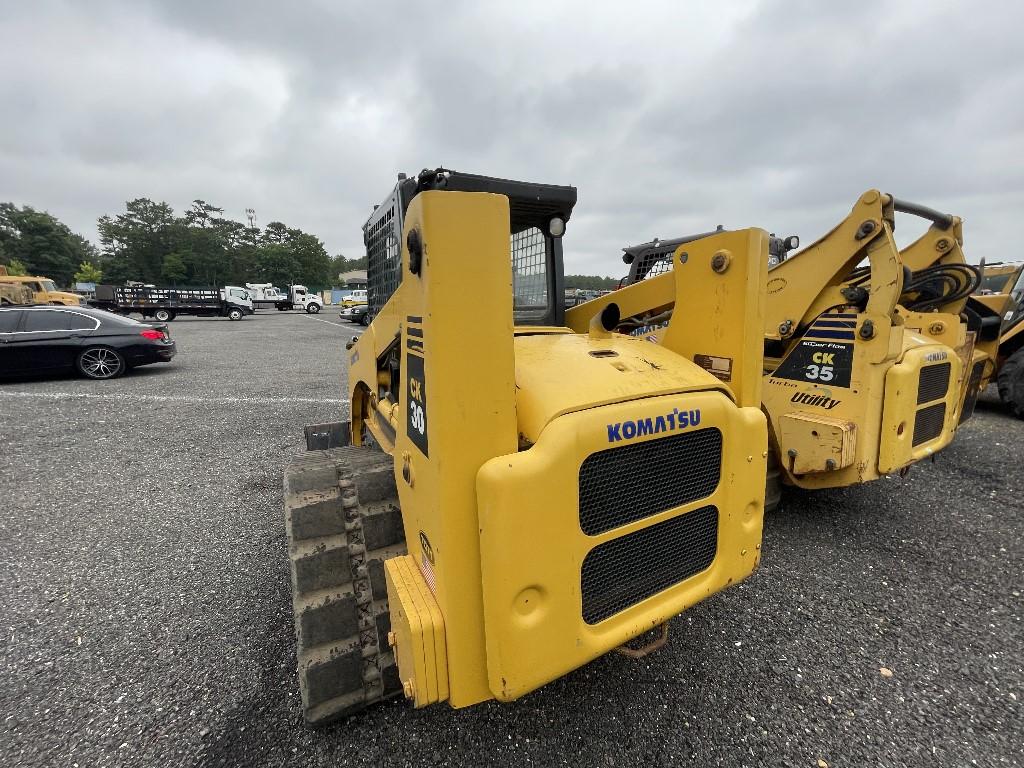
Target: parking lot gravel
{"points": [[146, 616]]}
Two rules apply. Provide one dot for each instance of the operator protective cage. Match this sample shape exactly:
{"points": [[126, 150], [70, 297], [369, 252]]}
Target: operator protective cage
{"points": [[538, 214]]}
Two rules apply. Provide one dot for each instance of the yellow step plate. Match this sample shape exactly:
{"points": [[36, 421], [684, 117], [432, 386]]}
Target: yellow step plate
{"points": [[417, 633]]}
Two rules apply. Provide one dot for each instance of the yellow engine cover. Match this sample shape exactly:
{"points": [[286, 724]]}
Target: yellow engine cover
{"points": [[543, 615], [922, 406]]}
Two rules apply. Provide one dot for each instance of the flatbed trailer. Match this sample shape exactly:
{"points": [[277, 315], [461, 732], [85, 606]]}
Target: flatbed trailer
{"points": [[164, 304]]}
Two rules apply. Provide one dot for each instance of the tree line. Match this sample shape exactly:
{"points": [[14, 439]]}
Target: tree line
{"points": [[591, 282], [149, 243]]}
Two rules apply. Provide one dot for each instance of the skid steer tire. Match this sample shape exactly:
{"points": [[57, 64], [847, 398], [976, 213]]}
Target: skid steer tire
{"points": [[343, 521], [1011, 383]]}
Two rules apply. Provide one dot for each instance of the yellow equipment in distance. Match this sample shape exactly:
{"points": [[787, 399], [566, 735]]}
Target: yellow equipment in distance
{"points": [[43, 289], [855, 385]]}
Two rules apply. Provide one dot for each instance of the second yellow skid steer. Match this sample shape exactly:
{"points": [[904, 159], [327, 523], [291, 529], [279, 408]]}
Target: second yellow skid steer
{"points": [[518, 497], [856, 384]]}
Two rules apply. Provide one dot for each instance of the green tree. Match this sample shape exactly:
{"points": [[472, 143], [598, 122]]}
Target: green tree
{"points": [[43, 244], [340, 264], [88, 273], [16, 267], [275, 264], [173, 269], [138, 239]]}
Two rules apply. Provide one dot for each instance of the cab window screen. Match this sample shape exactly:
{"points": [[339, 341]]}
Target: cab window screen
{"points": [[529, 273], [995, 283]]}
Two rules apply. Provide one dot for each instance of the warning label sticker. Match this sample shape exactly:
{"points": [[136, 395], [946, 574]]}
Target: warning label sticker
{"points": [[719, 367]]}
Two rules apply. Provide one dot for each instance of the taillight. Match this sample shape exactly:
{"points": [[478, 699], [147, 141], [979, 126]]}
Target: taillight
{"points": [[151, 333]]}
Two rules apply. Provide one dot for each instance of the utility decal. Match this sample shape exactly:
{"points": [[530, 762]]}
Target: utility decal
{"points": [[652, 425], [818, 362], [821, 401], [416, 409]]}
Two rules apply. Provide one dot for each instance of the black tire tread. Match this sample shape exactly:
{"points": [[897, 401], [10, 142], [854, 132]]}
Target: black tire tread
{"points": [[343, 520], [1011, 383]]}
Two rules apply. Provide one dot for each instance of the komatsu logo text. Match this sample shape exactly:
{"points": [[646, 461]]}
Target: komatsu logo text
{"points": [[653, 425]]}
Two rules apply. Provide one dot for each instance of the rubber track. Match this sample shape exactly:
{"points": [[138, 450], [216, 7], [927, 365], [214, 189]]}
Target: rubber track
{"points": [[342, 520]]}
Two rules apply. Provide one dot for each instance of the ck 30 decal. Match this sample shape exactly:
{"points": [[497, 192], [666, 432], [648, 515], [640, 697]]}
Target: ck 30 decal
{"points": [[416, 412]]}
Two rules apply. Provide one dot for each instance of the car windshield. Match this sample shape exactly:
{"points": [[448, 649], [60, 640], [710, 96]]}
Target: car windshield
{"points": [[48, 285]]}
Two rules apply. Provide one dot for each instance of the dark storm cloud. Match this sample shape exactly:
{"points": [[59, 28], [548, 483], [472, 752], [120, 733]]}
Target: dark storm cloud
{"points": [[669, 121]]}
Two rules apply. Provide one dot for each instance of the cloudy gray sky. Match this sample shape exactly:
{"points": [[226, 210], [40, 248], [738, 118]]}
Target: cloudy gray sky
{"points": [[669, 117]]}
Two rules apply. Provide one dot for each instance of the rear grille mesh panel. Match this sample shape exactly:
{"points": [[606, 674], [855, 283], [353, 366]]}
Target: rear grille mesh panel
{"points": [[624, 571], [383, 255], [933, 383], [928, 423], [626, 484]]}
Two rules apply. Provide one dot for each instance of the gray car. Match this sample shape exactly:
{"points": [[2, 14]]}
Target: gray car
{"points": [[357, 314]]}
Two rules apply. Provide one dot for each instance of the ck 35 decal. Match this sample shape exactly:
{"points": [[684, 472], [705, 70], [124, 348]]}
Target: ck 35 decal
{"points": [[818, 362]]}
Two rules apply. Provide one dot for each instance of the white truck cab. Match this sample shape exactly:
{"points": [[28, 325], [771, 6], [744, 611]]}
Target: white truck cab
{"points": [[355, 298], [301, 298], [297, 297], [233, 295]]}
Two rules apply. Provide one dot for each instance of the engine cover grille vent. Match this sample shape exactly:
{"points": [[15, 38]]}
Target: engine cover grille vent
{"points": [[624, 571], [625, 484], [928, 423], [933, 382]]}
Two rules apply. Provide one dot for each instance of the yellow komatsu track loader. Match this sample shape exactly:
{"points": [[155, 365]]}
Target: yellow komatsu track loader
{"points": [[518, 497], [1002, 293], [865, 358]]}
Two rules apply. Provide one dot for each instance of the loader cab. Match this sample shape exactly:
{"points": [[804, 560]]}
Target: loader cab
{"points": [[538, 214], [655, 257]]}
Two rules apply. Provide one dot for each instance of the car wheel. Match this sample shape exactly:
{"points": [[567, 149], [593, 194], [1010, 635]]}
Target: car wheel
{"points": [[365, 319], [100, 363], [312, 308], [163, 315], [235, 314]]}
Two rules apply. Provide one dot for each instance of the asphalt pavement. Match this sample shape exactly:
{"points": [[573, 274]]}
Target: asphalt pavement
{"points": [[146, 616]]}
